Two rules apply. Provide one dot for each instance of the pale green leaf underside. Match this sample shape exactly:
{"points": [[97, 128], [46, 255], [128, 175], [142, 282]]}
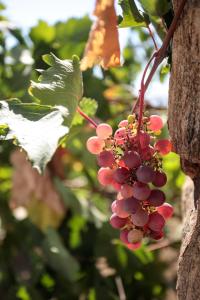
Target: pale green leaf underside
{"points": [[60, 84], [131, 14], [38, 138]]}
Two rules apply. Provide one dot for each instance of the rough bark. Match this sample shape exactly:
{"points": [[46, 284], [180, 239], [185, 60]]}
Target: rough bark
{"points": [[184, 127]]}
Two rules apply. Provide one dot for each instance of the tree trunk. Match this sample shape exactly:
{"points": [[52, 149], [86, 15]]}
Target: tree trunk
{"points": [[184, 127]]}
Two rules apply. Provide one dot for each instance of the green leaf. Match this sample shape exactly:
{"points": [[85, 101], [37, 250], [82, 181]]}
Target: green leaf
{"points": [[43, 32], [131, 15], [89, 107], [58, 256], [61, 84], [156, 7], [35, 128]]}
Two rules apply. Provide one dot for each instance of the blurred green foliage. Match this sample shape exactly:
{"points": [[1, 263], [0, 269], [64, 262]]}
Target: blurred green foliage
{"points": [[82, 257]]}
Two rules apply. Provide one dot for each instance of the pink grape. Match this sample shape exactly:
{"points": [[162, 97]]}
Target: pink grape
{"points": [[120, 133], [106, 159], [156, 235], [116, 185], [145, 174], [155, 123], [124, 236], [121, 175], [104, 131], [118, 208], [156, 198], [140, 218], [163, 146], [166, 210], [117, 222], [126, 191], [156, 222], [134, 246], [141, 191], [131, 205], [135, 236], [105, 176], [132, 159], [95, 145], [144, 139], [123, 123], [160, 179]]}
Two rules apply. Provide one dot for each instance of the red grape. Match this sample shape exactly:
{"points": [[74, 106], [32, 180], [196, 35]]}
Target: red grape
{"points": [[121, 175], [132, 159], [117, 222], [156, 235], [166, 210], [155, 123], [135, 236], [126, 191], [156, 222], [156, 198], [106, 159], [104, 130], [140, 218], [163, 146], [105, 176], [118, 208], [141, 191], [145, 174], [123, 123], [120, 133], [95, 145], [134, 246], [160, 179], [124, 236], [131, 205]]}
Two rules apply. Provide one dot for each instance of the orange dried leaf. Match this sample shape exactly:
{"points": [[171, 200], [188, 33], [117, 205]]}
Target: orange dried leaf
{"points": [[103, 44]]}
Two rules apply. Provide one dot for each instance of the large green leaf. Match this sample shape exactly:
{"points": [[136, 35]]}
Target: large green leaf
{"points": [[156, 7], [37, 129], [58, 256], [131, 15], [61, 84]]}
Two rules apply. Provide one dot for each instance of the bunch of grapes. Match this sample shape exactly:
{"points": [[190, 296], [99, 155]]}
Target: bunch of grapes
{"points": [[130, 160]]}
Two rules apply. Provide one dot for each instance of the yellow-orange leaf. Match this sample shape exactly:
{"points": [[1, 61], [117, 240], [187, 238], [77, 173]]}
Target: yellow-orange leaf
{"points": [[103, 44]]}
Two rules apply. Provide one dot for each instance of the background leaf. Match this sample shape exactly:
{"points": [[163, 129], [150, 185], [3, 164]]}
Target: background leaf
{"points": [[89, 107], [156, 7], [131, 15]]}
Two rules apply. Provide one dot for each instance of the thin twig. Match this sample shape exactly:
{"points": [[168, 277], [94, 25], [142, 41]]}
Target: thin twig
{"points": [[86, 117], [152, 36], [120, 288]]}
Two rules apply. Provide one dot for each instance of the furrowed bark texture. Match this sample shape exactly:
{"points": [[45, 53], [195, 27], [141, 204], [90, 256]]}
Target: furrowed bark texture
{"points": [[184, 127]]}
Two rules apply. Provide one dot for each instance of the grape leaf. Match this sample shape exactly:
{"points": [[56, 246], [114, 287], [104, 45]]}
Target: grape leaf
{"points": [[89, 107], [37, 129], [58, 256], [131, 15], [61, 84], [156, 7]]}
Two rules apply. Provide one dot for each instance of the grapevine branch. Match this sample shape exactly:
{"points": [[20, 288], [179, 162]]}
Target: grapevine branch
{"points": [[158, 57], [86, 117]]}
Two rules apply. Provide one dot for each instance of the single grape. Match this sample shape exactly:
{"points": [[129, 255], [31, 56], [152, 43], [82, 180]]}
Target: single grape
{"points": [[117, 222], [135, 236], [118, 208], [121, 175], [120, 133], [124, 236], [105, 159], [155, 123], [144, 139], [156, 198], [134, 246], [147, 153], [160, 179], [104, 131], [163, 146], [166, 210], [156, 235], [140, 218], [141, 191], [126, 191], [105, 176], [116, 185], [145, 174], [131, 205], [132, 159], [95, 144], [156, 222], [123, 123]]}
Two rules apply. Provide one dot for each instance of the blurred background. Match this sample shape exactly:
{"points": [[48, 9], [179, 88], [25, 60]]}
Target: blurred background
{"points": [[55, 239]]}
